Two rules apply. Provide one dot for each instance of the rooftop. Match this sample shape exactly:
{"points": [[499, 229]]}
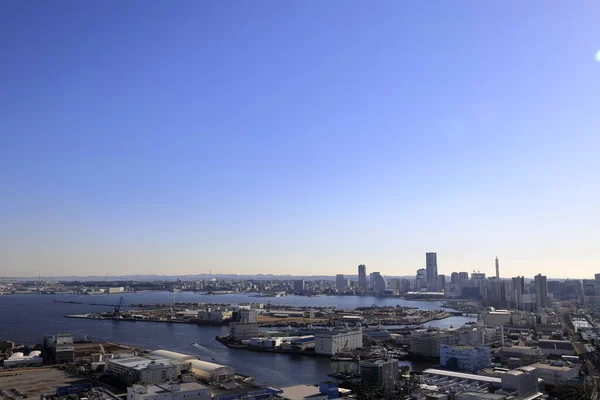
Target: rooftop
{"points": [[299, 392], [462, 375]]}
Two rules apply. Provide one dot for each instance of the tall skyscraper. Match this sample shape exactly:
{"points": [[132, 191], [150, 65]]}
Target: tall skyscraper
{"points": [[379, 283], [518, 290], [541, 291], [340, 282], [497, 268], [362, 277], [431, 270]]}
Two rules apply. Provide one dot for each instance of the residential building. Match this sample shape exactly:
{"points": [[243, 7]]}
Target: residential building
{"points": [[465, 358], [338, 341], [421, 279], [380, 373], [541, 291]]}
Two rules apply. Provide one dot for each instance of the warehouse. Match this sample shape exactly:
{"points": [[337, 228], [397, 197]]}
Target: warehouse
{"points": [[338, 341], [144, 370], [206, 371]]}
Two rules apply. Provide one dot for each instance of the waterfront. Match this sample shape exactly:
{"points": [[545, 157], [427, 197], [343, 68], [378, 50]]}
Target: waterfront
{"points": [[27, 318]]}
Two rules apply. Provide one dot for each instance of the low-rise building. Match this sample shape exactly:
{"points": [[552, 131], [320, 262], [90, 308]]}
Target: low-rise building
{"points": [[557, 372], [218, 315], [63, 348], [18, 359], [338, 341], [497, 317], [143, 370], [521, 382], [169, 391], [465, 358], [518, 356], [557, 347]]}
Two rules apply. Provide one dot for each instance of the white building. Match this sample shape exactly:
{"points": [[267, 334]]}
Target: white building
{"points": [[140, 369], [338, 341], [465, 358], [556, 373], [114, 290], [18, 359], [214, 315], [523, 381], [209, 372], [170, 391], [248, 316]]}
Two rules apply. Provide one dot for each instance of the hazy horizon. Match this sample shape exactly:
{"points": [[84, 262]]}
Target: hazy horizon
{"points": [[304, 137]]}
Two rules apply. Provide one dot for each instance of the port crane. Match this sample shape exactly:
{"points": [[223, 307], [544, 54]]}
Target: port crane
{"points": [[117, 310]]}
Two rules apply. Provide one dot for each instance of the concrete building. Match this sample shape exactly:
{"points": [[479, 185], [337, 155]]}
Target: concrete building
{"points": [[522, 381], [458, 382], [381, 373], [115, 290], [421, 279], [431, 271], [340, 282], [218, 315], [243, 330], [497, 317], [338, 341], [362, 277], [556, 373], [169, 391], [248, 316], [465, 358], [519, 356], [299, 285], [541, 291], [142, 370], [63, 348], [427, 343]]}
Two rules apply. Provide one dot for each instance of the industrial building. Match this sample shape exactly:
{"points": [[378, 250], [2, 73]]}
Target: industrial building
{"points": [[497, 317], [465, 358], [382, 373], [243, 330], [218, 315], [338, 341], [521, 382], [557, 347], [18, 359], [143, 370], [558, 372], [206, 371], [170, 391], [518, 356], [456, 382]]}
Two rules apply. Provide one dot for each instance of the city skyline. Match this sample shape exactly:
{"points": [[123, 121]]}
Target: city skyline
{"points": [[263, 138]]}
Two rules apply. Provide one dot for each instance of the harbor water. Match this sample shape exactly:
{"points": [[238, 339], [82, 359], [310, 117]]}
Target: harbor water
{"points": [[27, 318]]}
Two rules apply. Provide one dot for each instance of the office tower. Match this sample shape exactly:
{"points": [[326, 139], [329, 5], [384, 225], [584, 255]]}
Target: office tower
{"points": [[299, 285], [340, 282], [362, 277], [597, 278], [379, 283], [497, 268], [518, 290], [404, 285], [541, 291], [421, 279], [454, 278], [463, 277], [431, 270], [440, 284]]}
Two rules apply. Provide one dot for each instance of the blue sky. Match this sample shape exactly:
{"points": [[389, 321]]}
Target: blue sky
{"points": [[299, 137]]}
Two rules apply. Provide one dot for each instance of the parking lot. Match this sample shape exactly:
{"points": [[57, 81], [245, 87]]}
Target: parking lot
{"points": [[32, 382]]}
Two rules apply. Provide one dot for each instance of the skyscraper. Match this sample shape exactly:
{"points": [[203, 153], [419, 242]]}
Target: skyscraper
{"points": [[497, 268], [541, 291], [340, 282], [362, 277], [379, 283], [431, 270]]}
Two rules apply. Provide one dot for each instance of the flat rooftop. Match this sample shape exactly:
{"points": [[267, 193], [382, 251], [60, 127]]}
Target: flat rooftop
{"points": [[462, 375], [299, 392]]}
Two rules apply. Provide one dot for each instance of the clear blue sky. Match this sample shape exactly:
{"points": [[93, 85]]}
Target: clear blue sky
{"points": [[300, 137]]}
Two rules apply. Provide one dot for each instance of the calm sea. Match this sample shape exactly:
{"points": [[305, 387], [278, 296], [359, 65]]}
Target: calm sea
{"points": [[27, 318]]}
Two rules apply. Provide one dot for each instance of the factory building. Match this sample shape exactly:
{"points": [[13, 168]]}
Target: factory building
{"points": [[522, 382], [382, 373], [18, 359], [243, 330], [115, 290], [143, 370], [170, 391], [206, 371], [456, 382], [338, 341], [497, 317], [519, 356], [557, 347], [465, 358], [218, 315], [556, 373]]}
